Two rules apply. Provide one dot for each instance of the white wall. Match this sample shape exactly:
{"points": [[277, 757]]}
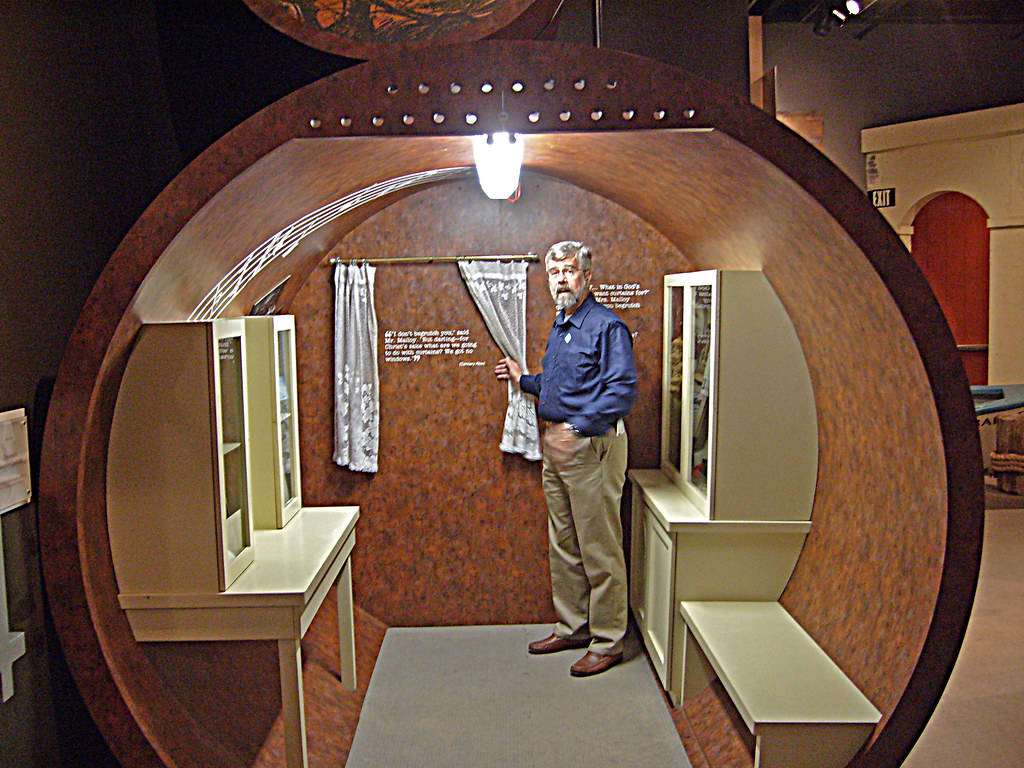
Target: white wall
{"points": [[980, 154]]}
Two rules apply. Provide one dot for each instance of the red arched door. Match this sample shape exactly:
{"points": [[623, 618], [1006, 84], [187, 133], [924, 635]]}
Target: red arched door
{"points": [[950, 244]]}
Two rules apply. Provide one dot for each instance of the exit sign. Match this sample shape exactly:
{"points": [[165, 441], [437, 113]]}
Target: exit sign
{"points": [[883, 198]]}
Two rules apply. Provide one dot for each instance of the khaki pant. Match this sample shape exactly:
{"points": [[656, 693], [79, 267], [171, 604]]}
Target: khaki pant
{"points": [[588, 569]]}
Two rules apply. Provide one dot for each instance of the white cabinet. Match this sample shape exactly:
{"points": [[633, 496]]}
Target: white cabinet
{"points": [[745, 444], [726, 514], [178, 476], [273, 420], [678, 554], [205, 438], [652, 560]]}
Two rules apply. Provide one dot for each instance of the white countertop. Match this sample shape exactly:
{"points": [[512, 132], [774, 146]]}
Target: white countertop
{"points": [[289, 565], [675, 512]]}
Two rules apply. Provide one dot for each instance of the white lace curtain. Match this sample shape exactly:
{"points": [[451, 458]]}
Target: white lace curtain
{"points": [[356, 383], [499, 291]]}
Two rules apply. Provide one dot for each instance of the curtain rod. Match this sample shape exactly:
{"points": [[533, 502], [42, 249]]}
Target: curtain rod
{"points": [[429, 259]]}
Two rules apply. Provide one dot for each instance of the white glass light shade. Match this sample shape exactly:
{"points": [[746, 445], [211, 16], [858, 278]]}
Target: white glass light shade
{"points": [[498, 158]]}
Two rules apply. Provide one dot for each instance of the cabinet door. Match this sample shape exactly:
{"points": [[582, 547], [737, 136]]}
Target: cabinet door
{"points": [[289, 484], [689, 386], [638, 556], [235, 514], [658, 591], [700, 388]]}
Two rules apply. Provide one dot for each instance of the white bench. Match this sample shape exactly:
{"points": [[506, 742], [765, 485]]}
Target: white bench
{"points": [[801, 708]]}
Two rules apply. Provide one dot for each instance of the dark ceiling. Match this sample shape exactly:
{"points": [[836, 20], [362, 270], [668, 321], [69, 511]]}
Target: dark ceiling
{"points": [[903, 11]]}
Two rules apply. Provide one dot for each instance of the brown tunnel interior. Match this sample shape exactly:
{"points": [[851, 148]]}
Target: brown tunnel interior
{"points": [[886, 576]]}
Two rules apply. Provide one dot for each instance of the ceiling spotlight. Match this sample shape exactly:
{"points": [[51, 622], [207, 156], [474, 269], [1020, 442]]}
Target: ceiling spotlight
{"points": [[834, 13], [843, 11]]}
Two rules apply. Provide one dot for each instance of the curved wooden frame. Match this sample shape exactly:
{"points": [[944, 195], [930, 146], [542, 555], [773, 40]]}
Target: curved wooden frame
{"points": [[758, 181]]}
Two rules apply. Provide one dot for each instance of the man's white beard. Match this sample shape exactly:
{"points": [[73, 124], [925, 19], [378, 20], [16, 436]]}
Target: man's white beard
{"points": [[566, 299]]}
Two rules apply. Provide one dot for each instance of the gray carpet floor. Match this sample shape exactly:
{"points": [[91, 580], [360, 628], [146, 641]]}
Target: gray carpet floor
{"points": [[473, 696]]}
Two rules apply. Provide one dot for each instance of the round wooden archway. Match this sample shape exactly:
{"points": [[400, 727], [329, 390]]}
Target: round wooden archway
{"points": [[887, 577]]}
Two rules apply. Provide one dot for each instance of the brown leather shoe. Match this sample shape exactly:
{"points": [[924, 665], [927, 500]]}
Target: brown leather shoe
{"points": [[554, 643], [594, 663]]}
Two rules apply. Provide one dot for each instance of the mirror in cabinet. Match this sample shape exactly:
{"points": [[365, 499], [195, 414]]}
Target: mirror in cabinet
{"points": [[688, 387], [274, 417], [699, 380], [178, 467]]}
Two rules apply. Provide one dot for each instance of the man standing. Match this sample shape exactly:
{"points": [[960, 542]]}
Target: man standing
{"points": [[586, 387]]}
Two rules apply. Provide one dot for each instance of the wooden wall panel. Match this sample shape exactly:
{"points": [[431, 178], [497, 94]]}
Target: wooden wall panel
{"points": [[453, 531]]}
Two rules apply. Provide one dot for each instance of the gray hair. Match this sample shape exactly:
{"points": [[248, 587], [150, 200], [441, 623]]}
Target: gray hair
{"points": [[566, 250]]}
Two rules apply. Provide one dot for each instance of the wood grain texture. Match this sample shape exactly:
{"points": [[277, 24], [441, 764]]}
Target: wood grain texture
{"points": [[886, 578], [458, 524]]}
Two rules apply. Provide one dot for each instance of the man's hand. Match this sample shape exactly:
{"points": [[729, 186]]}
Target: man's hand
{"points": [[508, 369], [561, 444]]}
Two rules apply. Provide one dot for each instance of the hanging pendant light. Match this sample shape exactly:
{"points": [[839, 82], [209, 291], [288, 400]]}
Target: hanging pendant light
{"points": [[498, 158]]}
